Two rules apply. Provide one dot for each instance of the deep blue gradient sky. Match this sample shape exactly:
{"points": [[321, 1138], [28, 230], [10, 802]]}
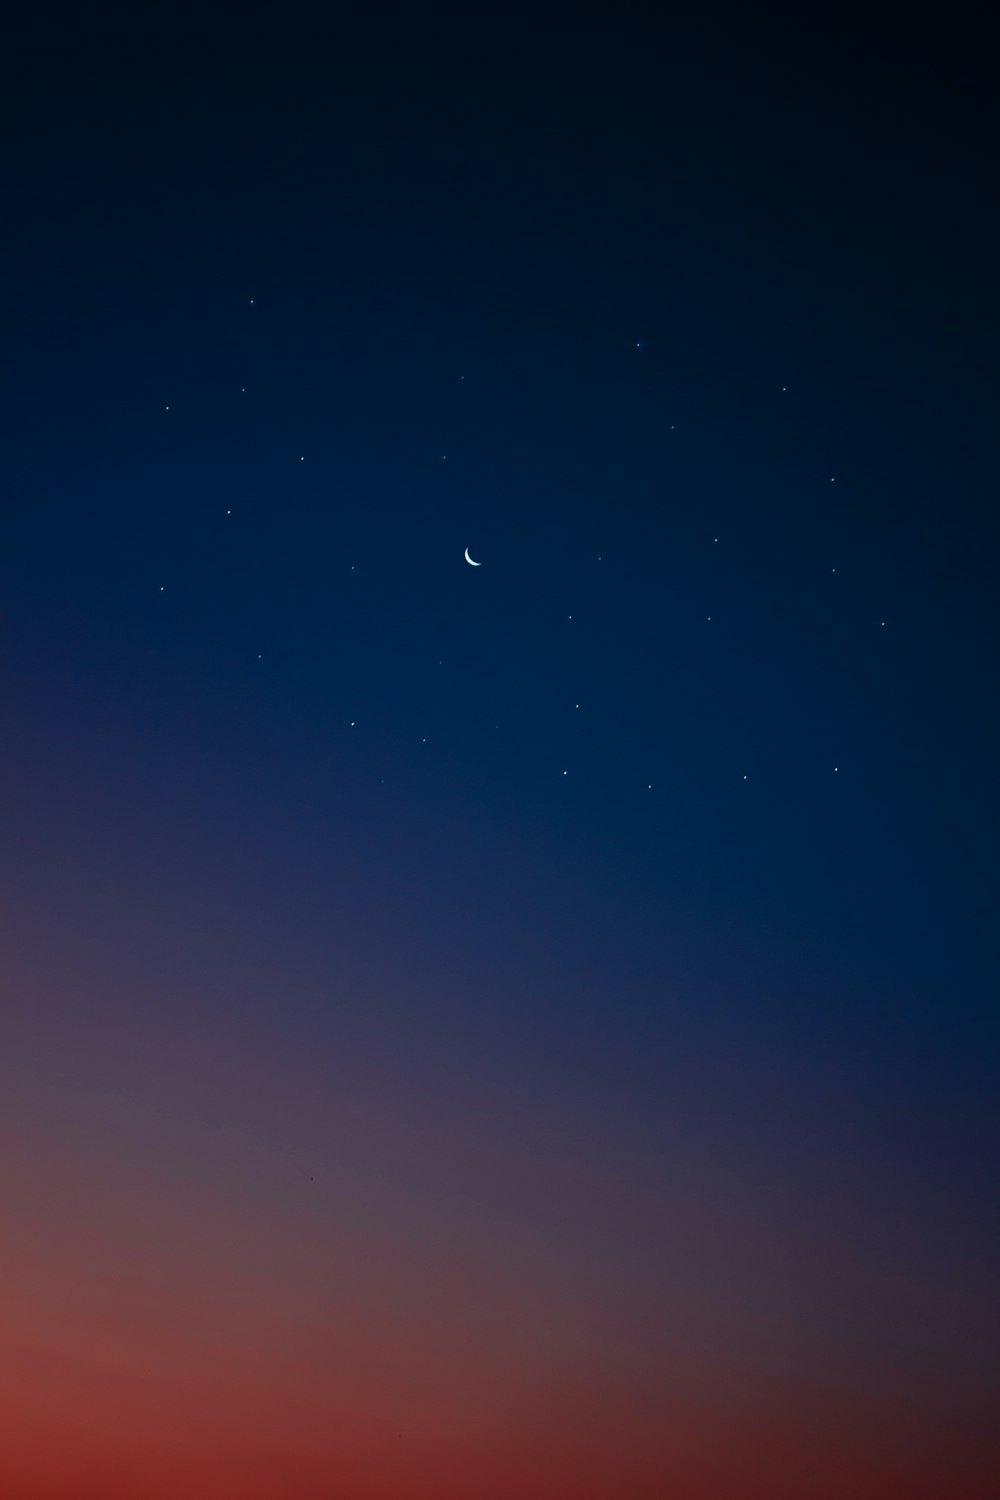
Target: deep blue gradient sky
{"points": [[673, 825]]}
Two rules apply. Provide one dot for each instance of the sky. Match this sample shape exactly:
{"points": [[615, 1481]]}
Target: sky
{"points": [[524, 1028]]}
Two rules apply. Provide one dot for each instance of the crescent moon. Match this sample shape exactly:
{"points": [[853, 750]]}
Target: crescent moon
{"points": [[471, 561]]}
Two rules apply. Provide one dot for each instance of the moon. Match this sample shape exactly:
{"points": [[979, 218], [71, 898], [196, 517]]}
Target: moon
{"points": [[471, 561]]}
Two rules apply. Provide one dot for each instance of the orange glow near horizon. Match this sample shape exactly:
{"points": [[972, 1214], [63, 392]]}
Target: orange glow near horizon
{"points": [[191, 1313]]}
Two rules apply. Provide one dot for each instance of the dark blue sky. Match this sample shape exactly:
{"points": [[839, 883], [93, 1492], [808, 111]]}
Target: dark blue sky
{"points": [[683, 806]]}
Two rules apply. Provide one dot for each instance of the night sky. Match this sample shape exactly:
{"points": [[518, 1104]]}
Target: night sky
{"points": [[524, 1030]]}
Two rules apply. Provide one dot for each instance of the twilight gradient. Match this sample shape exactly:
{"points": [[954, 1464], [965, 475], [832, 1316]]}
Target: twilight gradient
{"points": [[523, 1033], [273, 1229]]}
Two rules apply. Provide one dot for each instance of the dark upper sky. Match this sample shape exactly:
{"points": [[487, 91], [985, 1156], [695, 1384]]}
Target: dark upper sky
{"points": [[669, 831]]}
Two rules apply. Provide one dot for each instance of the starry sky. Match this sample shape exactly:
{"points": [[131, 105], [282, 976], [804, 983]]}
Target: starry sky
{"points": [[525, 1029]]}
